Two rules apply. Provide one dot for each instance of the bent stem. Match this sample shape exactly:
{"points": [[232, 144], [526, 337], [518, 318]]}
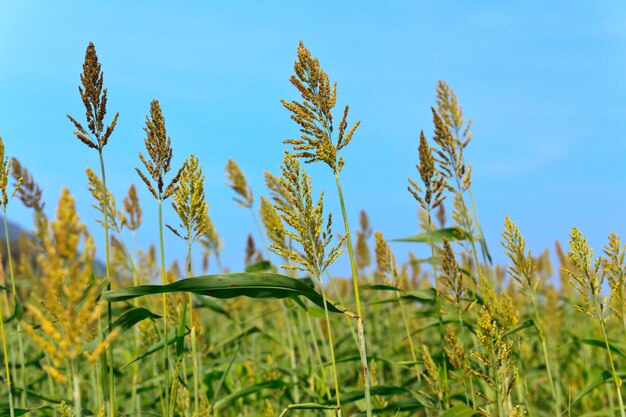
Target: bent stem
{"points": [[360, 320]]}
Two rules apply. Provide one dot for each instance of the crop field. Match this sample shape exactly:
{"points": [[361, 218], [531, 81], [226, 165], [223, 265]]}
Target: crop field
{"points": [[451, 334]]}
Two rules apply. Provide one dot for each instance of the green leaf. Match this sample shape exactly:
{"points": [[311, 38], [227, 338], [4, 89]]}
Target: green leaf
{"points": [[459, 411], [212, 305], [601, 344], [6, 412], [253, 285], [154, 348], [273, 384], [601, 378], [133, 316], [263, 266], [520, 327], [307, 406], [435, 236]]}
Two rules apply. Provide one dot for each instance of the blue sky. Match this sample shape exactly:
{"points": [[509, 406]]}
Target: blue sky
{"points": [[544, 82]]}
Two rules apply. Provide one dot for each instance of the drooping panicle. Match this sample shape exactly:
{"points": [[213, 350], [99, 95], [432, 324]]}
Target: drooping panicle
{"points": [[239, 184]]}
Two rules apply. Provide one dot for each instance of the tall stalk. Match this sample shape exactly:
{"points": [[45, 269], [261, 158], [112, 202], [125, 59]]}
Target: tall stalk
{"points": [[96, 136], [158, 146], [357, 300], [105, 206], [616, 378], [164, 302], [19, 327], [6, 365]]}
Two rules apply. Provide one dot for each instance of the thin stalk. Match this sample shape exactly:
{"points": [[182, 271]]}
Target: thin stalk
{"points": [[464, 338], [78, 408], [105, 210], [546, 357], [6, 364], [164, 301], [318, 354], [408, 335], [194, 350], [19, 326], [618, 381], [260, 232], [357, 300], [446, 387], [332, 349]]}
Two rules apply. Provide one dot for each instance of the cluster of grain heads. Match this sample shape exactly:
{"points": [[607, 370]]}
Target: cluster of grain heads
{"points": [[448, 334]]}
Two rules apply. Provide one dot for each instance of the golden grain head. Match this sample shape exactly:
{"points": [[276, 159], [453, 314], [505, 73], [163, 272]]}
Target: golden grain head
{"points": [[615, 268], [272, 222], [434, 181], [452, 113], [190, 201], [521, 269], [585, 275], [239, 184], [305, 221], [158, 146], [314, 114], [132, 210], [95, 187]]}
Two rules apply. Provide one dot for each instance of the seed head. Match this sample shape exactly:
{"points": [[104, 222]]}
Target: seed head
{"points": [[314, 113], [132, 210], [190, 201], [305, 221], [239, 184], [158, 146], [95, 100]]}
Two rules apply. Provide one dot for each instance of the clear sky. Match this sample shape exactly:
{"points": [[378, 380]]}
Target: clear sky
{"points": [[544, 82]]}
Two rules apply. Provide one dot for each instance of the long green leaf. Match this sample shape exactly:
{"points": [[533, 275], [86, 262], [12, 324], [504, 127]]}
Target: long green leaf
{"points": [[459, 411], [273, 384], [602, 378], [600, 344], [435, 236], [253, 285]]}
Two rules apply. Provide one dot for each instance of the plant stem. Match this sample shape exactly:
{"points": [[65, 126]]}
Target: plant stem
{"points": [[6, 365], [546, 357], [617, 379], [19, 327], [332, 348], [360, 319], [105, 206], [78, 408], [164, 302]]}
